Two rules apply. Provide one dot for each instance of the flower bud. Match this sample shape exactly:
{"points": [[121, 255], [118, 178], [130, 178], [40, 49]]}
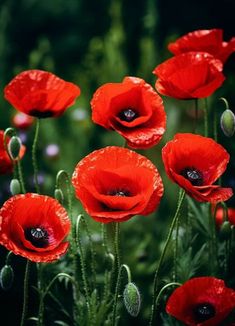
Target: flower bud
{"points": [[227, 123], [132, 299], [225, 230], [14, 147], [59, 195], [6, 277], [15, 187]]}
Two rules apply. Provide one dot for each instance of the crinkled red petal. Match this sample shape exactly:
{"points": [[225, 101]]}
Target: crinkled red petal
{"points": [[189, 75], [40, 91], [22, 212], [195, 151], [201, 40], [200, 290], [117, 169], [111, 99]]}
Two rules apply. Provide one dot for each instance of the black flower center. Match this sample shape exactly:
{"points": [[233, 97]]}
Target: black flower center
{"points": [[119, 193], [204, 311], [37, 236], [128, 115], [41, 114], [193, 175]]}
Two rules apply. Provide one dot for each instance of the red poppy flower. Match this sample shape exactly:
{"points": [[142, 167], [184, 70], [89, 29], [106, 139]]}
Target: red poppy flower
{"points": [[40, 93], [207, 40], [34, 226], [201, 301], [219, 216], [6, 165], [195, 163], [115, 183], [133, 109], [22, 121], [189, 75]]}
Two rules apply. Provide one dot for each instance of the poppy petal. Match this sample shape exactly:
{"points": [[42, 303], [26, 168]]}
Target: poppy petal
{"points": [[115, 184], [133, 109]]}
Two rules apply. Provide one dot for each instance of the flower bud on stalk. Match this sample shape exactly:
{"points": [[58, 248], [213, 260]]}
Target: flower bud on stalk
{"points": [[225, 230], [6, 277], [227, 123], [14, 147], [15, 187], [58, 194], [132, 299]]}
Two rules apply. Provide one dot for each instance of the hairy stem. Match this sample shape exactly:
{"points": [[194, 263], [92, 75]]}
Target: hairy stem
{"points": [[155, 282]]}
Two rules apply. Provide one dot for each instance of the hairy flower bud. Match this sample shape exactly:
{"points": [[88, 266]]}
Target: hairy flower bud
{"points": [[132, 299], [225, 230], [14, 147], [227, 123], [6, 277], [15, 187]]}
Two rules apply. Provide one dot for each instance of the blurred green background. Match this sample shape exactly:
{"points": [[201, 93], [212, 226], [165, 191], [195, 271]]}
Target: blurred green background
{"points": [[91, 43]]}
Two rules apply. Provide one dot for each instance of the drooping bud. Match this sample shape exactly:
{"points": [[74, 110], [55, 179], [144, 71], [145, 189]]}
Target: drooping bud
{"points": [[132, 299], [15, 187], [6, 277], [227, 123], [14, 147], [225, 230], [58, 194]]}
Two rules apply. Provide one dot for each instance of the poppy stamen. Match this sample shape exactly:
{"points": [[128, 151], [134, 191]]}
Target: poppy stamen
{"points": [[119, 193], [203, 312], [128, 115], [193, 175], [37, 236]]}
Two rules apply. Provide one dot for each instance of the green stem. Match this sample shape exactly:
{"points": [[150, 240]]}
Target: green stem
{"points": [[83, 262], [163, 289], [206, 118], [26, 288], [21, 178], [8, 258], [109, 277], [215, 129], [34, 158], [41, 304], [155, 282], [117, 245], [174, 276], [196, 115], [59, 182], [214, 244], [118, 284], [104, 238]]}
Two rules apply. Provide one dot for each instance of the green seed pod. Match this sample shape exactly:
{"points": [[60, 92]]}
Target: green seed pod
{"points": [[14, 147], [132, 299], [6, 277], [227, 123], [59, 195], [15, 187], [225, 230]]}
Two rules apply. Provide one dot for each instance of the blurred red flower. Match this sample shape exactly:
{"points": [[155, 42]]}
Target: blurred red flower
{"points": [[116, 183], [22, 121], [40, 93], [219, 216], [195, 162], [34, 226], [189, 75], [207, 40], [6, 164], [133, 109], [201, 301]]}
